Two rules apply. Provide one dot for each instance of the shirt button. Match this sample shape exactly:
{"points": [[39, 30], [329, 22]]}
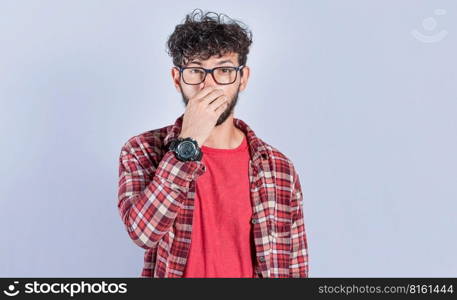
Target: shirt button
{"points": [[254, 221], [262, 258]]}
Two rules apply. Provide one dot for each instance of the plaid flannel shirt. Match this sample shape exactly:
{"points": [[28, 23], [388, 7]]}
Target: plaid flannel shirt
{"points": [[156, 195]]}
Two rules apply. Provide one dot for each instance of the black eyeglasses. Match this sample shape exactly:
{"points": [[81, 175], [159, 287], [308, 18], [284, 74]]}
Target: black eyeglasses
{"points": [[221, 75]]}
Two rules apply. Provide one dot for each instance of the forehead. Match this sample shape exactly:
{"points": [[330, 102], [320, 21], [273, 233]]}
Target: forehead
{"points": [[231, 56]]}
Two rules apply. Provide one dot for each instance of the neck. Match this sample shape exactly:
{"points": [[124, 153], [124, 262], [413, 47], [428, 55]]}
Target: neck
{"points": [[225, 136]]}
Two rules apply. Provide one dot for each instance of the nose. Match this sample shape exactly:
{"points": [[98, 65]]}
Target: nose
{"points": [[209, 81]]}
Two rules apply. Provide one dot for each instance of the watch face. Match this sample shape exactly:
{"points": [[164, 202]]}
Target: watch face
{"points": [[186, 149]]}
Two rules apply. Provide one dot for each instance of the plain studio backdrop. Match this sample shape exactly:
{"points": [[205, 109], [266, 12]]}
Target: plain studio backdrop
{"points": [[360, 95]]}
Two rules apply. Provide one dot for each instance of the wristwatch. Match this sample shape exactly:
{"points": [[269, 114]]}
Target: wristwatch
{"points": [[186, 149]]}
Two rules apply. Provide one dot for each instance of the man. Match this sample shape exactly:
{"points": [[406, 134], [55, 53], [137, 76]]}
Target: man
{"points": [[206, 197]]}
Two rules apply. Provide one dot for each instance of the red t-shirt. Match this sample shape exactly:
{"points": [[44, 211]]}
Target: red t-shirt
{"points": [[221, 244]]}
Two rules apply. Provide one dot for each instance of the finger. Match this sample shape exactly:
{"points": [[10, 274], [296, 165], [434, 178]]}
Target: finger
{"points": [[205, 92], [211, 96], [217, 102], [220, 109]]}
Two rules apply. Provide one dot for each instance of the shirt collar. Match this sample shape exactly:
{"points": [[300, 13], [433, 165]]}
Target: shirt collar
{"points": [[257, 147]]}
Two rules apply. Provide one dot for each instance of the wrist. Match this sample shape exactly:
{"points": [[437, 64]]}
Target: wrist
{"points": [[198, 140], [186, 149]]}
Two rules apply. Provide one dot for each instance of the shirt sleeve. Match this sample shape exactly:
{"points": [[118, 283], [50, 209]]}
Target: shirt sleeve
{"points": [[298, 267], [149, 199]]}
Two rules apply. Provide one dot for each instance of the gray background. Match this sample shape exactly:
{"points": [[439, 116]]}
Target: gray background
{"points": [[365, 110]]}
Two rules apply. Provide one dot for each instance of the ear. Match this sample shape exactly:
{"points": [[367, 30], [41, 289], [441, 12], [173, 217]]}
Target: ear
{"points": [[244, 78], [176, 78]]}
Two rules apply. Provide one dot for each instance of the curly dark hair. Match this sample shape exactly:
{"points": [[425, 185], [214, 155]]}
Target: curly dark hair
{"points": [[202, 35]]}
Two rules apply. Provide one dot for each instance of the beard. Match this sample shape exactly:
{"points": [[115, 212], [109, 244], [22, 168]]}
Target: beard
{"points": [[227, 112]]}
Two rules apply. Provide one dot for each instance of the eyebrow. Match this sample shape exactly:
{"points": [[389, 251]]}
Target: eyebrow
{"points": [[219, 63]]}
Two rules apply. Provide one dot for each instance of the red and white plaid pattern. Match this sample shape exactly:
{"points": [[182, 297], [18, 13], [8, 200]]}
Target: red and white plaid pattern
{"points": [[156, 200]]}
